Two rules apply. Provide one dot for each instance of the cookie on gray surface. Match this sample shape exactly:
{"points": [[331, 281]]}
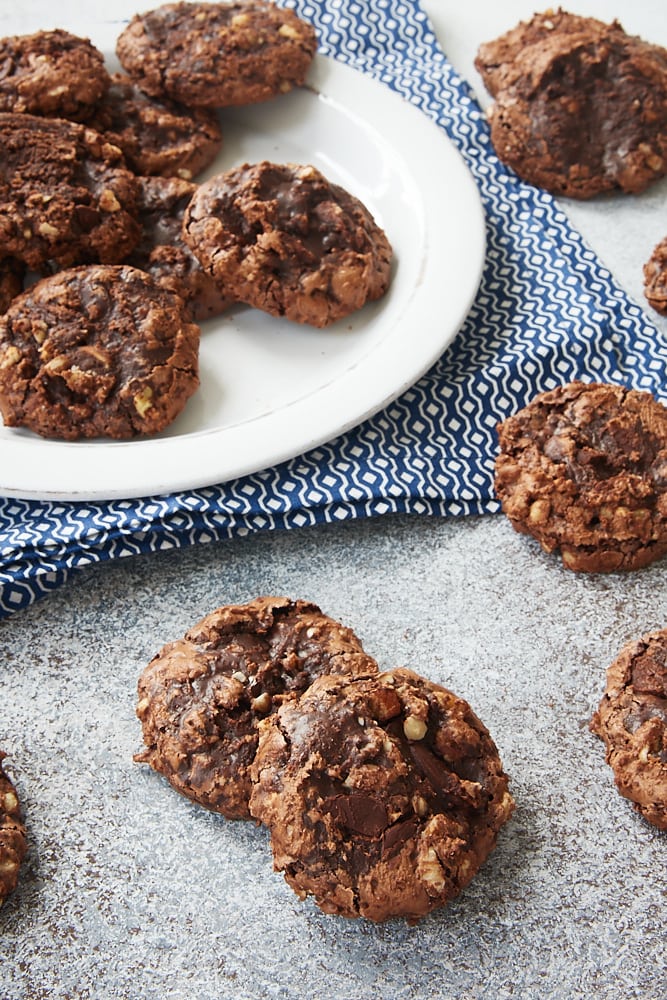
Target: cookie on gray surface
{"points": [[580, 106], [632, 722], [96, 351], [162, 252], [13, 843], [157, 136], [655, 278], [50, 73], [383, 795], [583, 469], [284, 239], [66, 196], [217, 54], [201, 698]]}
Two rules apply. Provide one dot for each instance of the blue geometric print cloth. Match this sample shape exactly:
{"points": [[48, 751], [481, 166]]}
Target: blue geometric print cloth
{"points": [[547, 312]]}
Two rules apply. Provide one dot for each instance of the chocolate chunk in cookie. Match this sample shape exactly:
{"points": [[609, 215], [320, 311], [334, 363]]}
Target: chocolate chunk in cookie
{"points": [[383, 795], [99, 350], [583, 468], [163, 253], [50, 73], [157, 137], [217, 55], [282, 238], [655, 278], [66, 196], [13, 843], [580, 106], [632, 721], [12, 275], [202, 697]]}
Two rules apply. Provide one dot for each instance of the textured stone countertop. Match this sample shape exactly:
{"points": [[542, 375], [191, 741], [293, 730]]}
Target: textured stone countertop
{"points": [[131, 892]]}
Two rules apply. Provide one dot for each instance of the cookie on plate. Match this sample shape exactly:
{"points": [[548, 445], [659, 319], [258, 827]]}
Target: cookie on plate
{"points": [[583, 469], [201, 698], [96, 351], [66, 196], [580, 106], [157, 136], [632, 722], [50, 73], [217, 54], [383, 795], [284, 239], [162, 252], [13, 843], [655, 278]]}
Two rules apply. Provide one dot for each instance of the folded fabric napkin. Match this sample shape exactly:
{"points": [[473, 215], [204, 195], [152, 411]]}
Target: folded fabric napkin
{"points": [[547, 312]]}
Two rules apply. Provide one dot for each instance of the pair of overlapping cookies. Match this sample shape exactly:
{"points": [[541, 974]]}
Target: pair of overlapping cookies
{"points": [[96, 185]]}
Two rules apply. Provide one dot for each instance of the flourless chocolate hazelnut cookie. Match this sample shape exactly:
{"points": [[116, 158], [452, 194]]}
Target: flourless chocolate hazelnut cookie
{"points": [[383, 795], [580, 106], [655, 278], [162, 251], [202, 697], [66, 196], [282, 238], [632, 721], [217, 54], [50, 73], [13, 843], [157, 137], [98, 350], [583, 469]]}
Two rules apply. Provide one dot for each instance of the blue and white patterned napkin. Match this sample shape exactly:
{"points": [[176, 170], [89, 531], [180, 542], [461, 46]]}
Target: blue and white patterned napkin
{"points": [[547, 312]]}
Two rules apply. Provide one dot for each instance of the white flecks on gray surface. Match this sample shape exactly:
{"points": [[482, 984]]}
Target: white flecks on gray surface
{"points": [[131, 891]]}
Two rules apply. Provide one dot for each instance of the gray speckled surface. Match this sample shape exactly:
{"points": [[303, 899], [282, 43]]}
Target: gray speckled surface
{"points": [[132, 892]]}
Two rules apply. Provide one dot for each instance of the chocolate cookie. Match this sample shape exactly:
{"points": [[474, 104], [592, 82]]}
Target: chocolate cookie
{"points": [[201, 698], [384, 795], [50, 73], [157, 137], [100, 350], [632, 721], [13, 843], [655, 278], [66, 196], [580, 106], [583, 468], [283, 239], [217, 55], [12, 274], [163, 253]]}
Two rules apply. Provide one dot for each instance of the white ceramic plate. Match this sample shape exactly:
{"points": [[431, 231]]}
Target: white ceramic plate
{"points": [[271, 389]]}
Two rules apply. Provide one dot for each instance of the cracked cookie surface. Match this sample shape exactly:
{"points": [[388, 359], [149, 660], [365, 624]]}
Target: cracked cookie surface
{"points": [[217, 55], [284, 239], [583, 469], [13, 843], [580, 106], [632, 722], [98, 350], [383, 794], [201, 698]]}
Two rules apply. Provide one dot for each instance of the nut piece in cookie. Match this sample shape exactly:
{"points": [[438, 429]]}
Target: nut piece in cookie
{"points": [[13, 843], [580, 106], [217, 54], [93, 351], [162, 252], [632, 722], [50, 73], [583, 469], [157, 137], [200, 700], [66, 196], [655, 278], [282, 238], [383, 795]]}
